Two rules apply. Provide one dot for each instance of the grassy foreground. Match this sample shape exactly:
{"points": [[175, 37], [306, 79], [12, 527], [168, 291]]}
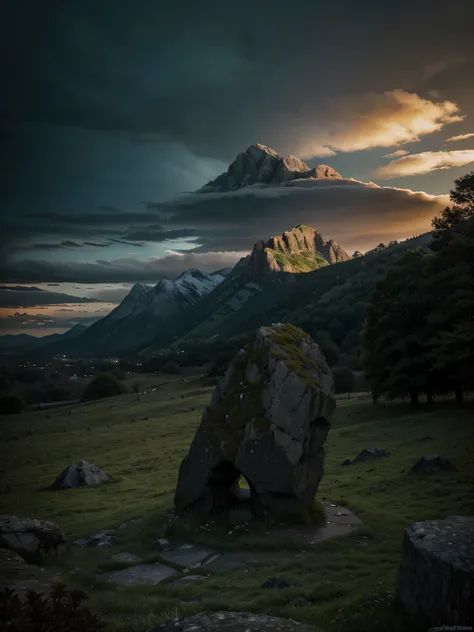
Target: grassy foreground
{"points": [[141, 443]]}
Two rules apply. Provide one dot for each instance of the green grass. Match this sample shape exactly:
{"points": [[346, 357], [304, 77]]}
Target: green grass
{"points": [[140, 444]]}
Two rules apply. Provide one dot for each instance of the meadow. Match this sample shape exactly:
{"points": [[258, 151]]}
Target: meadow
{"points": [[350, 581]]}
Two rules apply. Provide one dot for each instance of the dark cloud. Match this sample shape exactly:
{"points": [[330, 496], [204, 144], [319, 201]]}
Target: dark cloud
{"points": [[355, 214], [146, 100], [118, 270], [32, 297], [128, 243]]}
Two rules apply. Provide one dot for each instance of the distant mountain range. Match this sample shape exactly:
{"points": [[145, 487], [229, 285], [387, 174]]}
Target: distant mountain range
{"points": [[147, 313], [298, 276], [20, 343]]}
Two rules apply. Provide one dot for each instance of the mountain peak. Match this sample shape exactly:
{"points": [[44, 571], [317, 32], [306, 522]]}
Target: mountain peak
{"points": [[301, 249], [263, 165]]}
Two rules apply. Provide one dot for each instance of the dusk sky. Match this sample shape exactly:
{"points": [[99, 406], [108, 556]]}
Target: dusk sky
{"points": [[115, 112]]}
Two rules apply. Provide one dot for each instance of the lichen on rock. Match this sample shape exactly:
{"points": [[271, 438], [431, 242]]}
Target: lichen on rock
{"points": [[267, 421]]}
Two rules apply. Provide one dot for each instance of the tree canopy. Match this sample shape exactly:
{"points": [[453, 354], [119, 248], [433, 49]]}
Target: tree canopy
{"points": [[419, 324]]}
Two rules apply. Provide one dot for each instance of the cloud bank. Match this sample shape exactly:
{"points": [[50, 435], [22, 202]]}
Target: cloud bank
{"points": [[425, 162]]}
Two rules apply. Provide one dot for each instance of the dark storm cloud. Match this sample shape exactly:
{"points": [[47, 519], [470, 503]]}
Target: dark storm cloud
{"points": [[357, 215], [128, 243], [20, 322], [214, 78], [351, 212], [95, 245]]}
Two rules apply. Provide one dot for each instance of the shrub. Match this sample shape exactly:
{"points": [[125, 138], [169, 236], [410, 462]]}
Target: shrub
{"points": [[136, 387], [11, 404], [103, 385], [60, 610]]}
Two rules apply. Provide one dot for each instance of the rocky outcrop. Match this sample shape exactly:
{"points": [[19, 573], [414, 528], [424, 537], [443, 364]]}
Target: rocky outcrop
{"points": [[357, 254], [301, 249], [232, 622], [27, 535], [79, 475], [267, 421], [432, 464], [262, 165], [436, 575]]}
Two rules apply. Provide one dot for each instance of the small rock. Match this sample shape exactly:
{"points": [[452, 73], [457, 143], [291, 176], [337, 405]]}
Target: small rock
{"points": [[432, 464], [80, 474]]}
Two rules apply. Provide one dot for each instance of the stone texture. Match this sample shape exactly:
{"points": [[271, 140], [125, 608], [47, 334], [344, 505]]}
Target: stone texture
{"points": [[260, 164], [267, 420], [432, 464], [141, 574], [10, 558], [188, 579], [80, 474], [436, 575], [27, 535], [232, 622]]}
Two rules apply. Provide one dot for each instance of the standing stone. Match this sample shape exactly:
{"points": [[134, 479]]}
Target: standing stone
{"points": [[27, 535], [436, 575], [267, 421], [80, 474]]}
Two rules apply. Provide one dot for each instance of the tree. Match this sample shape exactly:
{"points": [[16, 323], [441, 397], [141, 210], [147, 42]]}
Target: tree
{"points": [[450, 288], [103, 385], [453, 219], [395, 355], [11, 404], [344, 380]]}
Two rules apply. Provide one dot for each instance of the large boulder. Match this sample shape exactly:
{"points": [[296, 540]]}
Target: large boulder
{"points": [[27, 535], [80, 474], [436, 575], [267, 421]]}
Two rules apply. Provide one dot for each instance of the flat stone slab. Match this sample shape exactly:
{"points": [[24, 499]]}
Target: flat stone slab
{"points": [[339, 521], [227, 562], [232, 622], [141, 574], [186, 555]]}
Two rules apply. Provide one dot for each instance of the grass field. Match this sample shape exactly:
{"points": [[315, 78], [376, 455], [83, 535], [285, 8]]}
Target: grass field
{"points": [[141, 443]]}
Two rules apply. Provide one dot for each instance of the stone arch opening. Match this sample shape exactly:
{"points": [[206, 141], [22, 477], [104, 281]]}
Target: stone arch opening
{"points": [[228, 487]]}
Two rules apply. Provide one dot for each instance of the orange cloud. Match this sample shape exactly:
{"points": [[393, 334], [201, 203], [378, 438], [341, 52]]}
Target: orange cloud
{"points": [[397, 154], [460, 137], [427, 161], [374, 119]]}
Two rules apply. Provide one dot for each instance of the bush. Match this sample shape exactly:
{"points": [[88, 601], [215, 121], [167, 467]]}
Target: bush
{"points": [[60, 610], [11, 404], [136, 387], [103, 385], [344, 380]]}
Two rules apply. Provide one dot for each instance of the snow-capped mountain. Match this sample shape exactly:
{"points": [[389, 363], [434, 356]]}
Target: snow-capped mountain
{"points": [[146, 313]]}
